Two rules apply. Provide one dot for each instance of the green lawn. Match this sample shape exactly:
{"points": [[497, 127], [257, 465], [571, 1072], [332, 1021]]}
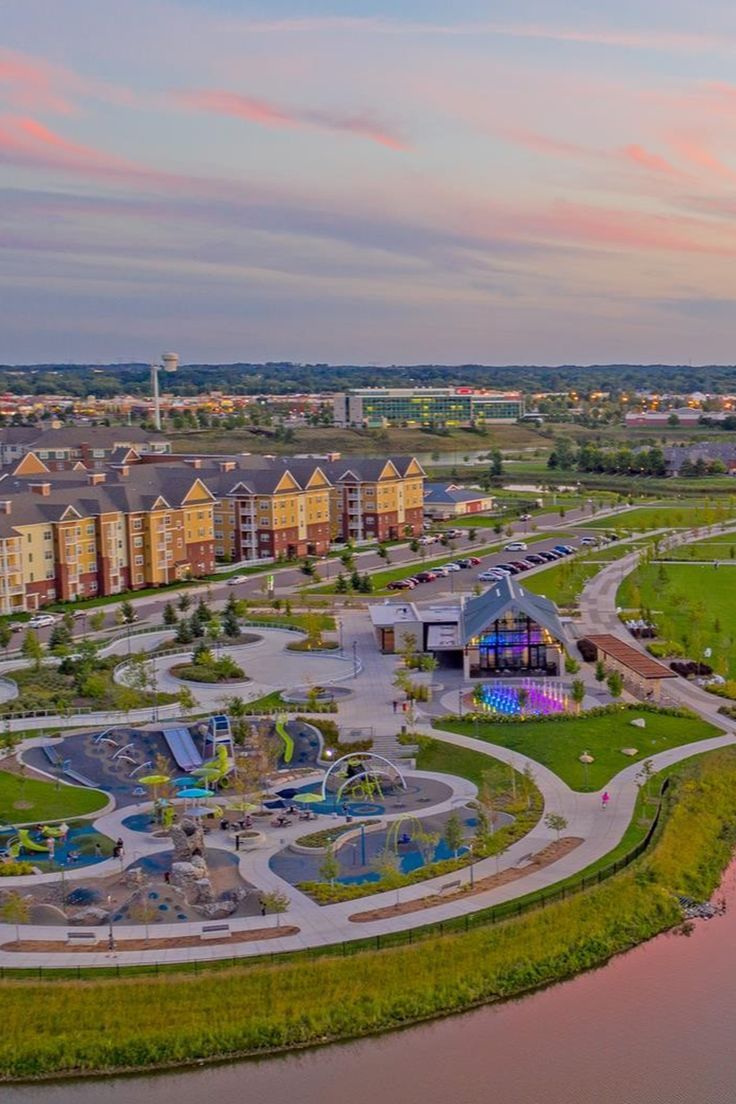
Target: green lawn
{"points": [[685, 515], [563, 581], [558, 744], [723, 548], [22, 801], [694, 604]]}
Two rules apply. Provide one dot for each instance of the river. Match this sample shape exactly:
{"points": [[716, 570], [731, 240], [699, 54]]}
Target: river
{"points": [[654, 1026]]}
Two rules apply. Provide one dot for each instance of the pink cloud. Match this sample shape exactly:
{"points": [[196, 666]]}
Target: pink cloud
{"points": [[32, 84], [694, 151], [637, 155], [265, 113]]}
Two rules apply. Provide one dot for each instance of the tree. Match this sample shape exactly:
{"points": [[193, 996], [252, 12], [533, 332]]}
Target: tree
{"points": [[170, 616], [645, 775], [127, 613], [312, 622], [97, 620], [6, 634], [184, 632], [184, 602], [577, 692], [273, 900], [32, 649], [330, 867], [366, 584], [16, 909], [144, 912], [472, 534], [600, 671], [556, 822], [231, 621], [387, 866], [187, 701], [454, 835], [341, 584], [615, 684]]}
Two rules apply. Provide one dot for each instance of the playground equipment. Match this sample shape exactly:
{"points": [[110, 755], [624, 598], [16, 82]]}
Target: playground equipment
{"points": [[288, 743], [25, 843], [364, 767], [182, 747]]}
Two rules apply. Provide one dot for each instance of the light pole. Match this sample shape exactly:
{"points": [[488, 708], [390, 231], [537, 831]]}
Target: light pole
{"points": [[460, 702], [355, 659], [339, 630], [362, 845], [110, 933]]}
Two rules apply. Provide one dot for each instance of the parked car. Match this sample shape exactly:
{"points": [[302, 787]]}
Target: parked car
{"points": [[41, 621], [401, 584], [548, 557], [441, 572], [453, 566], [475, 560], [453, 534], [491, 576], [520, 564], [428, 538], [565, 549], [426, 577], [535, 559], [516, 546], [525, 517], [504, 572], [465, 563], [509, 568], [588, 540], [235, 579]]}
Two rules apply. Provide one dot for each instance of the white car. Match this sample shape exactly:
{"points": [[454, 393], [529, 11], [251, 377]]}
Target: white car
{"points": [[490, 576], [516, 546], [588, 540], [42, 621], [453, 567], [235, 579]]}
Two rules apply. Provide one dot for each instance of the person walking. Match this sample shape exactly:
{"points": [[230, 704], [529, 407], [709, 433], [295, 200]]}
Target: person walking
{"points": [[605, 799]]}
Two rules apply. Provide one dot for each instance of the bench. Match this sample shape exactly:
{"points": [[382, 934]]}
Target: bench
{"points": [[214, 931], [450, 885], [82, 936]]}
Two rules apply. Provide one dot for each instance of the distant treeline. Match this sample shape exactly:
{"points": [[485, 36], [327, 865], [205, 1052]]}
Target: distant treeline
{"points": [[284, 378]]}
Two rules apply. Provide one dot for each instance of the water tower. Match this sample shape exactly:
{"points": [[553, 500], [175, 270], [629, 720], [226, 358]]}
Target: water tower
{"points": [[169, 363]]}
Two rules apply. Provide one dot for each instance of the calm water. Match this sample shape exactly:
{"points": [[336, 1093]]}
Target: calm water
{"points": [[656, 1026]]}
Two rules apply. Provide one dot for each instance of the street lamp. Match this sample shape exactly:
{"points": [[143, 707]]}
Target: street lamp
{"points": [[339, 630], [110, 933], [460, 702], [355, 659]]}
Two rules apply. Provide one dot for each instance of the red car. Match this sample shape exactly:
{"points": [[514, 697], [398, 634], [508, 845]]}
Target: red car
{"points": [[401, 584], [474, 560], [426, 577]]}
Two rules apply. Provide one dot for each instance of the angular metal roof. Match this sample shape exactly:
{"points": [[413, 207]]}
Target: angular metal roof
{"points": [[505, 595]]}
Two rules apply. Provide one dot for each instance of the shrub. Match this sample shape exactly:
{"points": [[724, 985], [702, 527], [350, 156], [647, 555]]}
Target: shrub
{"points": [[689, 668], [14, 869], [661, 649]]}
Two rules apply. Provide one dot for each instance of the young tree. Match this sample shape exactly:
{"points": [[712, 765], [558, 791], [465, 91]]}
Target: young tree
{"points": [[169, 614], [144, 912], [454, 834], [312, 622], [472, 534], [366, 584], [187, 701], [556, 822], [577, 693], [6, 635], [32, 649], [16, 909], [184, 632], [341, 584], [387, 866], [276, 902], [127, 613], [330, 867], [600, 671], [97, 620], [184, 602], [615, 684]]}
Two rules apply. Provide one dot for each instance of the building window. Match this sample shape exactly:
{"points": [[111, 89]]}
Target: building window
{"points": [[138, 561], [137, 542]]}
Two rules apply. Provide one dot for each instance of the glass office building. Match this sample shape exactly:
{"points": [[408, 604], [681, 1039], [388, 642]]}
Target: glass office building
{"points": [[426, 406]]}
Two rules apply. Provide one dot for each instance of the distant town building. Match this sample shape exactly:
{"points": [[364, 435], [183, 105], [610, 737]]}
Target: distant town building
{"points": [[425, 406], [685, 416], [689, 458], [448, 500], [60, 447]]}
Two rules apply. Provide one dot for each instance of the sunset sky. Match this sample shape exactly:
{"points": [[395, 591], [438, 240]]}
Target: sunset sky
{"points": [[527, 182]]}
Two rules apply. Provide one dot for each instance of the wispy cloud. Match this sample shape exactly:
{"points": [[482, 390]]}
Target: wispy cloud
{"points": [[645, 159], [268, 114], [648, 39]]}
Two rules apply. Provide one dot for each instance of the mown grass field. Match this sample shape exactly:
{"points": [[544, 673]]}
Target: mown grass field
{"points": [[559, 744], [107, 1025], [29, 799], [713, 549], [691, 515], [563, 581], [694, 604]]}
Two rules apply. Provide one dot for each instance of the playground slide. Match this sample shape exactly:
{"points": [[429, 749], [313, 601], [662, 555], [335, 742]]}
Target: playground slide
{"points": [[27, 844], [181, 746], [288, 742]]}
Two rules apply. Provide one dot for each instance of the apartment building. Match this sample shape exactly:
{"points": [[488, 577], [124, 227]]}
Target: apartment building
{"points": [[61, 447], [79, 534], [378, 499]]}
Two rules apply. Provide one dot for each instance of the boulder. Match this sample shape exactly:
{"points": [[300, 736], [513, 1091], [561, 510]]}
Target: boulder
{"points": [[205, 894], [638, 722], [91, 915]]}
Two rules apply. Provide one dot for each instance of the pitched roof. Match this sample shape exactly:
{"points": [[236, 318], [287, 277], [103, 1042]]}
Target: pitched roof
{"points": [[478, 613], [636, 661], [448, 493]]}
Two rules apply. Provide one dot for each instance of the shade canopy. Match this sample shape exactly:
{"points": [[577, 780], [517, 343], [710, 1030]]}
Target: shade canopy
{"points": [[194, 791], [307, 798], [154, 779]]}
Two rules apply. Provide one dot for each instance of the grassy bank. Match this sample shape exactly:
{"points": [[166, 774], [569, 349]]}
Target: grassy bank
{"points": [[23, 800], [559, 741], [105, 1026]]}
